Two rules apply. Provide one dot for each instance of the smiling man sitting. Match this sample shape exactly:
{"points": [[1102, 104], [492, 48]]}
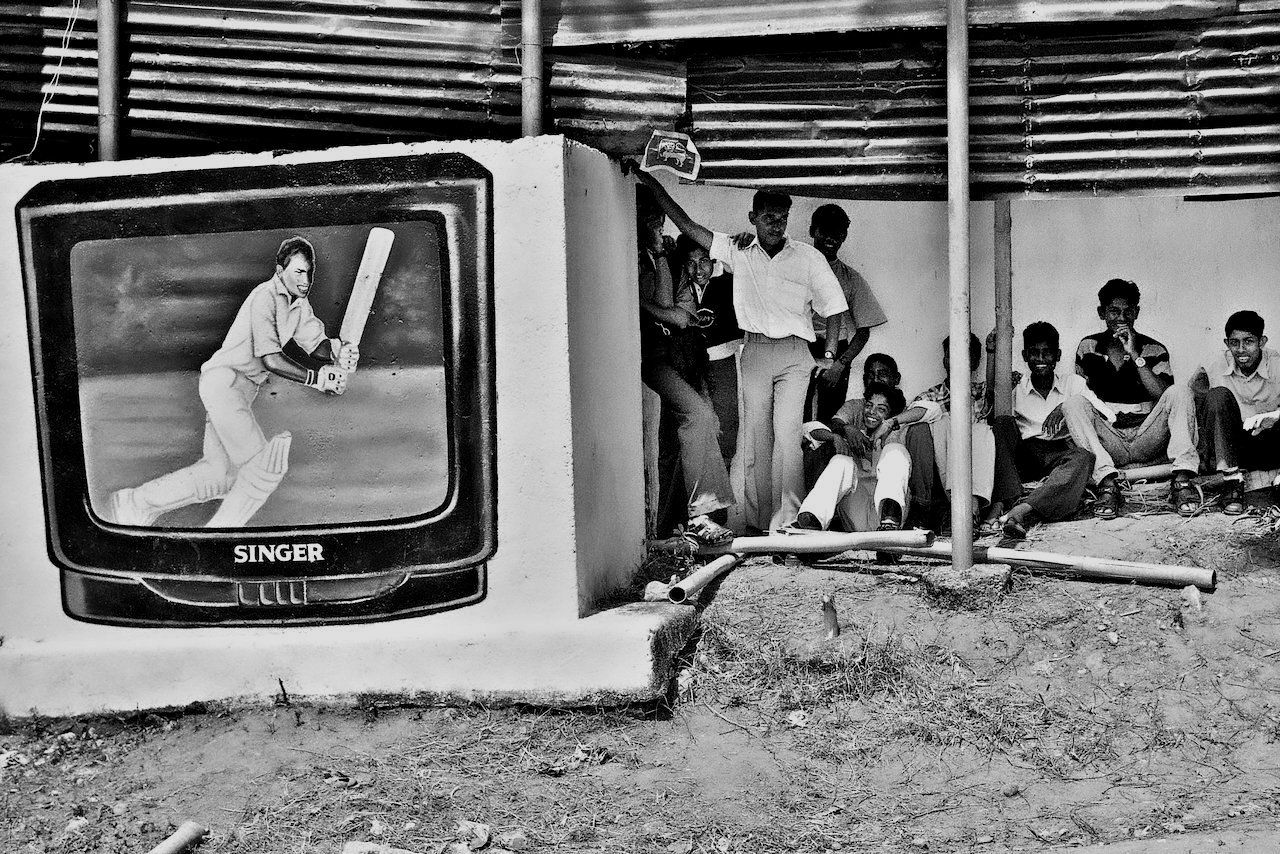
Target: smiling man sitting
{"points": [[1240, 390]]}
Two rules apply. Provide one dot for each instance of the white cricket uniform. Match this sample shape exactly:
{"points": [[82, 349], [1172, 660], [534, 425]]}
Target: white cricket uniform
{"points": [[229, 383]]}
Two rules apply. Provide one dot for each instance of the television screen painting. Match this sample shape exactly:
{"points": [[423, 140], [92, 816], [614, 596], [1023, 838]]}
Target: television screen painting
{"points": [[151, 311], [266, 394]]}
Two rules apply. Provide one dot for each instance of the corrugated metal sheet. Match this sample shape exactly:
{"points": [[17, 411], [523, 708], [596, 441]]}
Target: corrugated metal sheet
{"points": [[587, 22], [1186, 108], [309, 73], [265, 70]]}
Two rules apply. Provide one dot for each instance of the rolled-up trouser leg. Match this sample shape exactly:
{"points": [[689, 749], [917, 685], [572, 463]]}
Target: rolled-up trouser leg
{"points": [[893, 476], [838, 479]]}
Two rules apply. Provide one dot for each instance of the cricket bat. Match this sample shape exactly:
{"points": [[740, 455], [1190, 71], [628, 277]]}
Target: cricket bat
{"points": [[368, 277]]}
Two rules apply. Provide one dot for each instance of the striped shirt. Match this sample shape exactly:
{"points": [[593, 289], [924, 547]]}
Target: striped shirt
{"points": [[1121, 387]]}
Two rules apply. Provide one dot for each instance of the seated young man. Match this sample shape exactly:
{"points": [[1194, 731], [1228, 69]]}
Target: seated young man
{"points": [[1043, 450], [1154, 419], [878, 367], [866, 481], [932, 407], [1240, 389]]}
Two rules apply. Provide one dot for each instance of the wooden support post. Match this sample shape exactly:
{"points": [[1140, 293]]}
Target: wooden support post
{"points": [[961, 437], [1004, 308]]}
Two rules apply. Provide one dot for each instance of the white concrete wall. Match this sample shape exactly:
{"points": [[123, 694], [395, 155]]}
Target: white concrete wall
{"points": [[605, 369], [1196, 262], [568, 448]]}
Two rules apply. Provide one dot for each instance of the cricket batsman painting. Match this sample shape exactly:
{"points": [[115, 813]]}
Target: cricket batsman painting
{"points": [[275, 335]]}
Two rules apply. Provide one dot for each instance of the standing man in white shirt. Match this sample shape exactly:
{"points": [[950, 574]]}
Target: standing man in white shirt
{"points": [[777, 285], [1043, 449]]}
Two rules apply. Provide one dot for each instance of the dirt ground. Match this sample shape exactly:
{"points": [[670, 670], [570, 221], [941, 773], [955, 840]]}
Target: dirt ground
{"points": [[1060, 714]]}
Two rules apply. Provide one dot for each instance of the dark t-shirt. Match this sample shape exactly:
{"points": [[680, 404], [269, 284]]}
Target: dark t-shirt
{"points": [[718, 296], [1121, 385]]}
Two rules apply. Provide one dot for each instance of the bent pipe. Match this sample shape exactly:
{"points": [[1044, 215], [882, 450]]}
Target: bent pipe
{"points": [[1084, 567], [701, 577], [821, 542]]}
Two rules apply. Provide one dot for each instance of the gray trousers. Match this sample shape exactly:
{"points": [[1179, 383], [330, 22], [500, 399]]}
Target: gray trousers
{"points": [[1169, 431], [775, 378]]}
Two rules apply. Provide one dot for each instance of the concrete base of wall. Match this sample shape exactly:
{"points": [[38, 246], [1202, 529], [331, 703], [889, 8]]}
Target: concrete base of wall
{"points": [[622, 655]]}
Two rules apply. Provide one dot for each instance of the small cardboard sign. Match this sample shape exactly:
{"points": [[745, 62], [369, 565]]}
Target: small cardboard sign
{"points": [[668, 151]]}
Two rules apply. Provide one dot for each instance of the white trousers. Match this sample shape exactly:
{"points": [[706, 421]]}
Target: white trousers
{"points": [[855, 494]]}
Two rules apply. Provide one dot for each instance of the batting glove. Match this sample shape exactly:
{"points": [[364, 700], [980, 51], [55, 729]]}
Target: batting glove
{"points": [[331, 380], [348, 356]]}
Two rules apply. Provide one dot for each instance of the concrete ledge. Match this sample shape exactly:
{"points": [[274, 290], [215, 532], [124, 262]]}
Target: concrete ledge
{"points": [[618, 656]]}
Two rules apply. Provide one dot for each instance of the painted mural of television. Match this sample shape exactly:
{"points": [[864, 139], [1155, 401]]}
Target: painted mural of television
{"points": [[266, 395]]}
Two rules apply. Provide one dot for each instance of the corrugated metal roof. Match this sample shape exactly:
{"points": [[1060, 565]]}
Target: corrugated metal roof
{"points": [[1171, 108], [587, 22], [309, 73]]}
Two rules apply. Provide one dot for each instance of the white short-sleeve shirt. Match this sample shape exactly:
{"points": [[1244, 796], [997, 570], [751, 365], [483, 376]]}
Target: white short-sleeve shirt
{"points": [[268, 318], [1030, 408], [777, 296]]}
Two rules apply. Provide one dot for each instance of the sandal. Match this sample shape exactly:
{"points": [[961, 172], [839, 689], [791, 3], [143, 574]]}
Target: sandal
{"points": [[1014, 530], [1109, 501], [1185, 497], [990, 527], [1233, 497], [707, 533]]}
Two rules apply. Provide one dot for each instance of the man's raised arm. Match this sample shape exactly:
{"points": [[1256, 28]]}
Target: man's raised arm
{"points": [[697, 233]]}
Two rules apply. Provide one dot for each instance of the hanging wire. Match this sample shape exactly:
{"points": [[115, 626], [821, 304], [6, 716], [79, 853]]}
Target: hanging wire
{"points": [[53, 82]]}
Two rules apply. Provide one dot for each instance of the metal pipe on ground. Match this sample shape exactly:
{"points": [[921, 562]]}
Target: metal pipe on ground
{"points": [[700, 578], [1074, 565], [183, 839], [816, 542]]}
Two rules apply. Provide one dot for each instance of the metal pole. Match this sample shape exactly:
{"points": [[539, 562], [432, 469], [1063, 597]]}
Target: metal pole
{"points": [[961, 449], [109, 79], [1004, 308], [531, 67]]}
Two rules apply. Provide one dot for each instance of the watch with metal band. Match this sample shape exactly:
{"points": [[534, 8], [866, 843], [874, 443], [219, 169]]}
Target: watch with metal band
{"points": [[1140, 362]]}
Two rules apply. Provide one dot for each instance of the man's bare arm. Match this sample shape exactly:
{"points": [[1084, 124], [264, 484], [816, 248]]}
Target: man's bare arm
{"points": [[697, 233]]}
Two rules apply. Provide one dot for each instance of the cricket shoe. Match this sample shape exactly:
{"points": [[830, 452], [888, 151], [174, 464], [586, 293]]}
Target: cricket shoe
{"points": [[126, 509]]}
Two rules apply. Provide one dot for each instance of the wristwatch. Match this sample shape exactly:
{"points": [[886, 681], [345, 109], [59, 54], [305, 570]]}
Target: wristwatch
{"points": [[1140, 362], [827, 354]]}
